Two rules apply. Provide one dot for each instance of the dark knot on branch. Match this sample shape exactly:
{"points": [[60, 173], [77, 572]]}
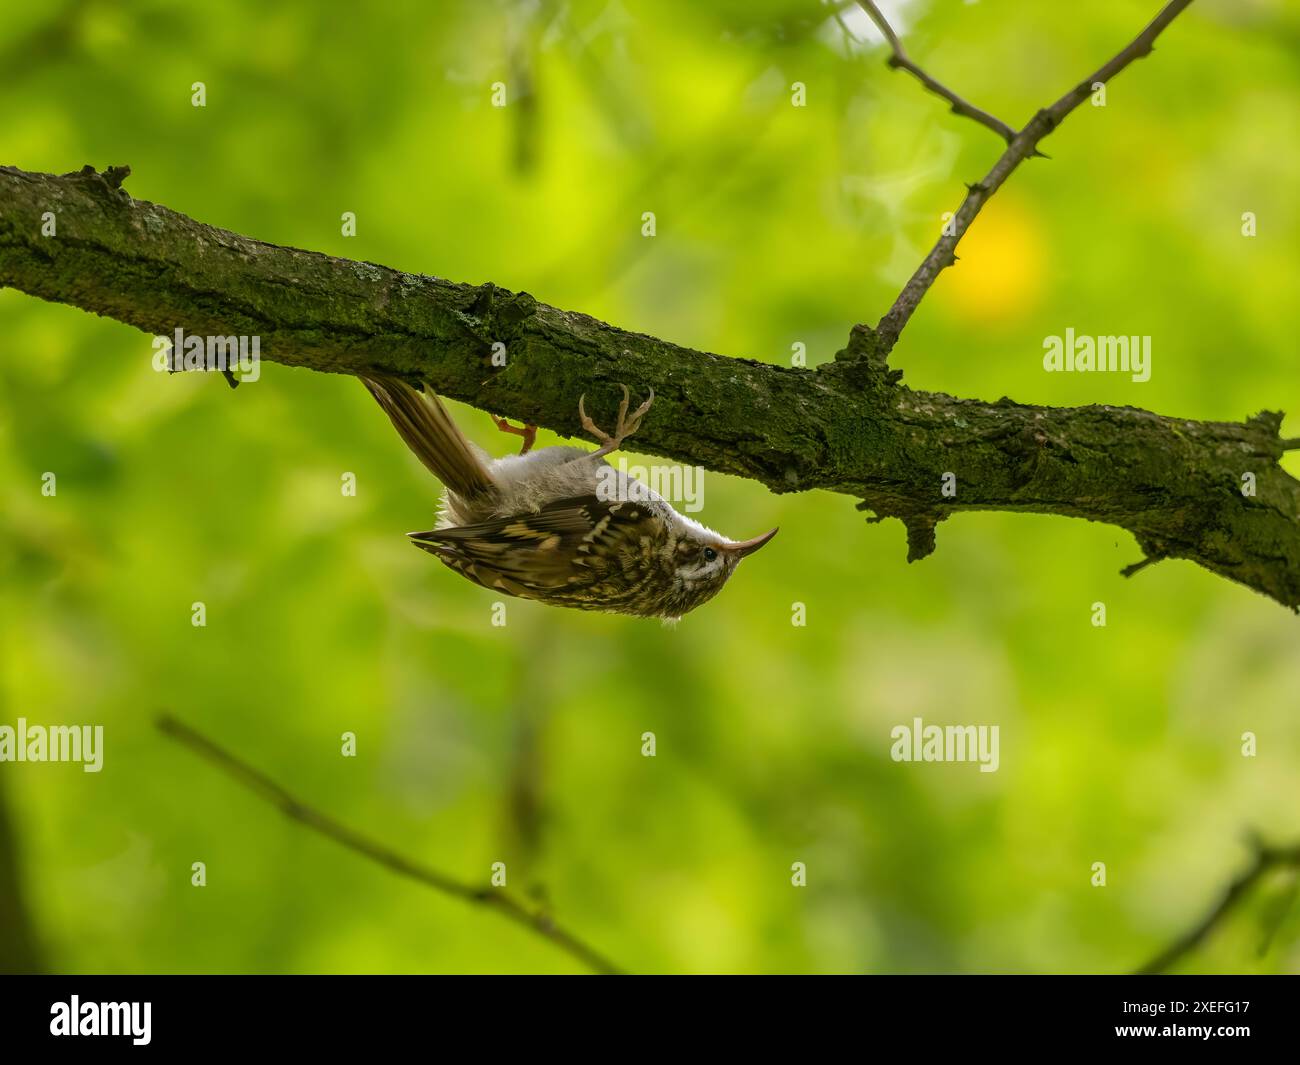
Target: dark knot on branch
{"points": [[109, 180], [502, 310], [864, 361]]}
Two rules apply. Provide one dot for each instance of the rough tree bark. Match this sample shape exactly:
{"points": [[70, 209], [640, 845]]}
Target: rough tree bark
{"points": [[848, 426]]}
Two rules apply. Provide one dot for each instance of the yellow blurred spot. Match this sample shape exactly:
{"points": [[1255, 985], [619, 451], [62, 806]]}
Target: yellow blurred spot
{"points": [[999, 272]]}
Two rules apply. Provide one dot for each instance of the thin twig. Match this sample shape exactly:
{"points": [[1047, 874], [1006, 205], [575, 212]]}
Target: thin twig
{"points": [[1267, 859], [1024, 144], [901, 61], [263, 786]]}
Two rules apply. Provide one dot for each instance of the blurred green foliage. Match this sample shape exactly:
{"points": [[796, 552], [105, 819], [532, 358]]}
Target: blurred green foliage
{"points": [[776, 225]]}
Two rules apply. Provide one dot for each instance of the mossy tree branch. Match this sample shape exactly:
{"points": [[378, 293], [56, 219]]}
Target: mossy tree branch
{"points": [[849, 426]]}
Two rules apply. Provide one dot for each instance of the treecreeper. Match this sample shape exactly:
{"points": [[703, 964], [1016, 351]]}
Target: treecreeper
{"points": [[559, 524]]}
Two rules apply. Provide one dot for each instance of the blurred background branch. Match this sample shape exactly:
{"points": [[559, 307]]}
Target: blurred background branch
{"points": [[19, 952], [496, 899], [1266, 860], [526, 813]]}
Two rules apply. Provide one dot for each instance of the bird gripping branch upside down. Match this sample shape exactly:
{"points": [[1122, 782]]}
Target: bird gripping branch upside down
{"points": [[547, 525]]}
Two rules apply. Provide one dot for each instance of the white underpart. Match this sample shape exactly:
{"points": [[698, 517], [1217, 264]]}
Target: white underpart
{"points": [[528, 482]]}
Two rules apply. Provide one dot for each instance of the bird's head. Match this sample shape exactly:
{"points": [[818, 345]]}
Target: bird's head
{"points": [[702, 561]]}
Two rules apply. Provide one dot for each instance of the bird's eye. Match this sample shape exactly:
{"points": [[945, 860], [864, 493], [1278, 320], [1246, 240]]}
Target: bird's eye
{"points": [[709, 554]]}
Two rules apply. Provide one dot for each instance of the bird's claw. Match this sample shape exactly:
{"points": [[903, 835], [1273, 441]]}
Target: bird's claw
{"points": [[528, 432], [626, 425]]}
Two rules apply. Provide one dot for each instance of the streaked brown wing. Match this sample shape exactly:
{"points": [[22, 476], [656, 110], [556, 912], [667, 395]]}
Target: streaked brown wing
{"points": [[578, 550]]}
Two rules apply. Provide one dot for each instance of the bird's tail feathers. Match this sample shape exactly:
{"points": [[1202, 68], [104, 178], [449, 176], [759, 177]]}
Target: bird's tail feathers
{"points": [[428, 430]]}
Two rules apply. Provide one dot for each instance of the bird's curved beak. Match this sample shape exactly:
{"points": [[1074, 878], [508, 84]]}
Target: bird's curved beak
{"points": [[742, 548]]}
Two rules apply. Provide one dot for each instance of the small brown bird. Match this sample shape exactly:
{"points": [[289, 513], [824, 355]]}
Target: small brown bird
{"points": [[559, 525]]}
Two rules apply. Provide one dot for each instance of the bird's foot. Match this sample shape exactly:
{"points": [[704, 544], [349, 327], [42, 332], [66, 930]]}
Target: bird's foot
{"points": [[528, 432], [627, 425]]}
